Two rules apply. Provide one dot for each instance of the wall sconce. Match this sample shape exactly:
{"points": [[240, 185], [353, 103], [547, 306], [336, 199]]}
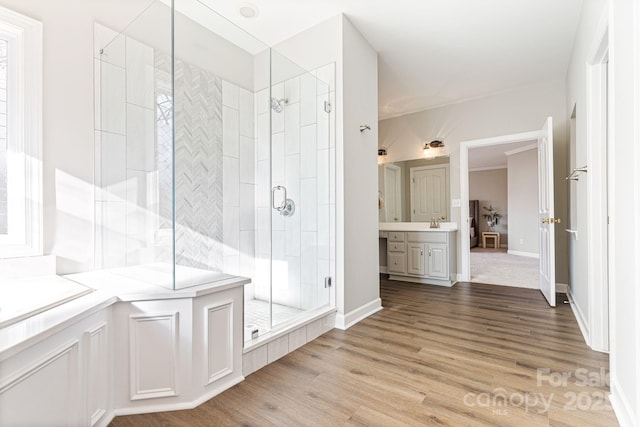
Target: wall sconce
{"points": [[382, 151], [432, 144]]}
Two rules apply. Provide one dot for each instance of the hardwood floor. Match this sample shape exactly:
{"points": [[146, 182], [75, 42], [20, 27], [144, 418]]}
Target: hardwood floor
{"points": [[462, 356]]}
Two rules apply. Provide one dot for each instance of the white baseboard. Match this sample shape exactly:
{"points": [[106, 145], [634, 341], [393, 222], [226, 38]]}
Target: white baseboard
{"points": [[179, 406], [527, 254], [582, 321], [562, 288], [621, 406], [105, 420], [345, 321]]}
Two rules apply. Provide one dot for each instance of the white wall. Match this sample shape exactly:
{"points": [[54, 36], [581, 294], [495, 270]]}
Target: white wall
{"points": [[625, 212], [593, 12], [521, 110], [624, 174], [490, 189], [359, 165], [522, 183]]}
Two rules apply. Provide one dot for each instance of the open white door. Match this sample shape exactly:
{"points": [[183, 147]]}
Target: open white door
{"points": [[546, 217]]}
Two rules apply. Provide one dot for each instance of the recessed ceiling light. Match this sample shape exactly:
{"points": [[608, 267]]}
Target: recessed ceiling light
{"points": [[248, 10]]}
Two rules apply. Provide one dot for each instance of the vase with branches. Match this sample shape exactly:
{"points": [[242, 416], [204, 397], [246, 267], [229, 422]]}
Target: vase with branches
{"points": [[492, 216]]}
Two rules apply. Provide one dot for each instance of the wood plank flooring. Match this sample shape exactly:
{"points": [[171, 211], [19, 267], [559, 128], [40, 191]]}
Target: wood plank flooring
{"points": [[462, 356]]}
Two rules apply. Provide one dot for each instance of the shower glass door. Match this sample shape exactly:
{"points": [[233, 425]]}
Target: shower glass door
{"points": [[300, 208]]}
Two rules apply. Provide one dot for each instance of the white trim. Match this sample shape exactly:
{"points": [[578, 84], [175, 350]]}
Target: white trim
{"points": [[521, 149], [621, 405], [136, 392], [465, 258], [179, 406], [345, 321], [597, 179], [211, 377], [636, 173], [71, 349], [488, 168], [96, 414], [521, 253], [582, 323], [24, 137]]}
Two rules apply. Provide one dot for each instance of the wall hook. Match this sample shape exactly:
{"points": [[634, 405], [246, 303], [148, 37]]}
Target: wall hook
{"points": [[364, 127]]}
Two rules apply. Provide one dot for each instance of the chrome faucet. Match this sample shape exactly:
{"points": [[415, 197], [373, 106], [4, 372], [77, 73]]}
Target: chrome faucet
{"points": [[435, 222]]}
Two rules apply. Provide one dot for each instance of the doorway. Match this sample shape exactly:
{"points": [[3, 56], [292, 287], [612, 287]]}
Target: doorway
{"points": [[503, 210], [545, 221]]}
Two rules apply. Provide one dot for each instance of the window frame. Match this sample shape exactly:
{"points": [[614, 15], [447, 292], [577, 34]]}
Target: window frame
{"points": [[24, 135]]}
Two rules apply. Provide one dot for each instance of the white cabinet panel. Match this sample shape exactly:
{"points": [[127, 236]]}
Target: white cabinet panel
{"points": [[219, 344], [97, 349], [438, 261], [46, 393], [415, 258], [153, 341], [397, 263]]}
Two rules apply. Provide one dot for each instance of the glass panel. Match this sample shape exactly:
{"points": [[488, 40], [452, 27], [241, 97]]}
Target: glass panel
{"points": [[134, 145], [215, 145], [300, 185], [196, 123], [3, 137]]}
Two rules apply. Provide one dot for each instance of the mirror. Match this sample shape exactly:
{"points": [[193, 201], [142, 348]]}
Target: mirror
{"points": [[414, 190]]}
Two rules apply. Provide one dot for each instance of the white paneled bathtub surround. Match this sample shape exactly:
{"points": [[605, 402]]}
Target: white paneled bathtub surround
{"points": [[128, 347]]}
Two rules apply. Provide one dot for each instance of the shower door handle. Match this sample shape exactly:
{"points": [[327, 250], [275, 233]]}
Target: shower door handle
{"points": [[273, 198]]}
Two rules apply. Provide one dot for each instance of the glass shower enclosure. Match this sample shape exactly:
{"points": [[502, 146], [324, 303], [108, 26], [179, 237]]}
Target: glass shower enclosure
{"points": [[214, 159]]}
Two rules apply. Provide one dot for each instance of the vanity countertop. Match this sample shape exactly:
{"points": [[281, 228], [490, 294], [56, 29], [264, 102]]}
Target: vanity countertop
{"points": [[417, 226]]}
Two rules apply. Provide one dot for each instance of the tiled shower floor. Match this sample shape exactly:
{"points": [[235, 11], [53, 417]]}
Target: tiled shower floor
{"points": [[256, 312]]}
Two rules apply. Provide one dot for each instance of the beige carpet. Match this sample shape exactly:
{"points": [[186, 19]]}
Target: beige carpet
{"points": [[497, 267]]}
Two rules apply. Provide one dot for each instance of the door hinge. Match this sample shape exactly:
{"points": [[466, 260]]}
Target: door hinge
{"points": [[327, 282]]}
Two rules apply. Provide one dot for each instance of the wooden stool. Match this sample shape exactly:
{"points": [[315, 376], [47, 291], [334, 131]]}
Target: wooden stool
{"points": [[492, 235]]}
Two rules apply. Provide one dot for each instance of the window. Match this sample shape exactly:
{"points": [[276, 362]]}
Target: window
{"points": [[20, 135]]}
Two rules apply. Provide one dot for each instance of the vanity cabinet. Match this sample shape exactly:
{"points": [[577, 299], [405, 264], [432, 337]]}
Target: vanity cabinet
{"points": [[396, 253], [416, 258], [422, 256]]}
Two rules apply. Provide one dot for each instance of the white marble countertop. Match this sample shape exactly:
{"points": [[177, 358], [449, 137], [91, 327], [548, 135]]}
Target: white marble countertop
{"points": [[106, 288], [417, 226], [129, 284]]}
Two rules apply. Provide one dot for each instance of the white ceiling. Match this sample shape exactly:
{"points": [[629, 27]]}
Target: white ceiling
{"points": [[436, 52], [495, 156]]}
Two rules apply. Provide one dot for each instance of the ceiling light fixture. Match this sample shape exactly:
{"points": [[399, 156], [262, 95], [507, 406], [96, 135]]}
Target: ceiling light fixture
{"points": [[248, 10]]}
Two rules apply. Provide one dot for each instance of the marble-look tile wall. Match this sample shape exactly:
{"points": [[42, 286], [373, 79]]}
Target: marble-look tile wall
{"points": [[239, 181], [214, 161]]}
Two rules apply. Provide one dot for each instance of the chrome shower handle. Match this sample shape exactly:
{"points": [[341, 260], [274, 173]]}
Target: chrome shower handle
{"points": [[273, 197]]}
